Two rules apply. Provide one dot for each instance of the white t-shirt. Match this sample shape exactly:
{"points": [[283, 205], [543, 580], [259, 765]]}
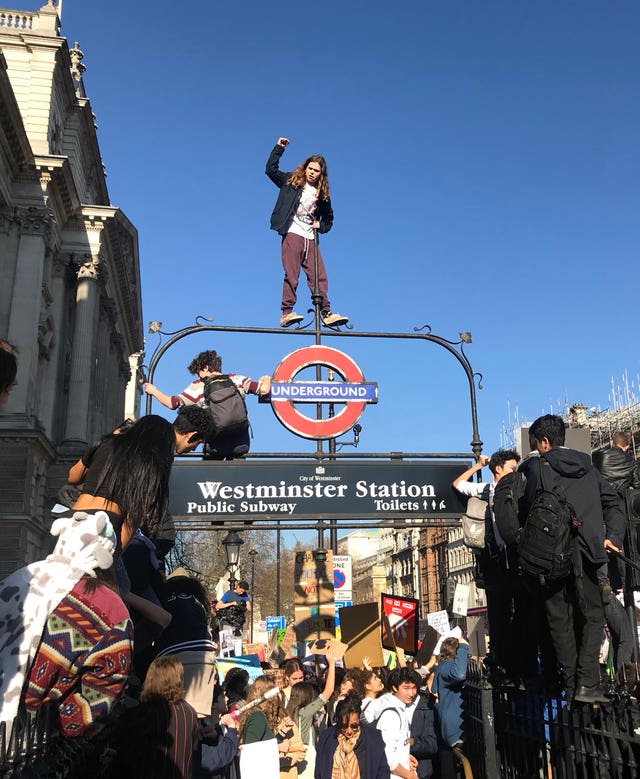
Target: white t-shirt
{"points": [[305, 213]]}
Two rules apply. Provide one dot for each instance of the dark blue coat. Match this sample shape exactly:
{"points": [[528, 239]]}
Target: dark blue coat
{"points": [[448, 679], [289, 197], [369, 750]]}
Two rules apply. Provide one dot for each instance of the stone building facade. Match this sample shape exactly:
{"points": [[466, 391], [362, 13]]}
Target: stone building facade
{"points": [[69, 278]]}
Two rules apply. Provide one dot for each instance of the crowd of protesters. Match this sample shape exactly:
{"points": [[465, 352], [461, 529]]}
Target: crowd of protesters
{"points": [[126, 655]]}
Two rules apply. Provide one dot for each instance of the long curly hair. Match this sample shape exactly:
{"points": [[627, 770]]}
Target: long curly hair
{"points": [[298, 178], [272, 709]]}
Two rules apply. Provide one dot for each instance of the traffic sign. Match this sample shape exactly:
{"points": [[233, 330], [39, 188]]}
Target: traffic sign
{"points": [[275, 622]]}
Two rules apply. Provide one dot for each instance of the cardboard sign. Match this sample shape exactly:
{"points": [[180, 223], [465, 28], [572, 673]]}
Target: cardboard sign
{"points": [[257, 650], [314, 609], [429, 642], [360, 628], [402, 614], [476, 633], [276, 675], [329, 647], [288, 640]]}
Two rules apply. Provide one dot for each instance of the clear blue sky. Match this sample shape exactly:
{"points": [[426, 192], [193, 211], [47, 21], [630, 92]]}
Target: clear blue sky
{"points": [[484, 161]]}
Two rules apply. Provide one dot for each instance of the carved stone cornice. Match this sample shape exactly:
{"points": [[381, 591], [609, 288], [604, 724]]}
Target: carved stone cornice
{"points": [[117, 342], [60, 264], [124, 370], [6, 220], [109, 308], [33, 221]]}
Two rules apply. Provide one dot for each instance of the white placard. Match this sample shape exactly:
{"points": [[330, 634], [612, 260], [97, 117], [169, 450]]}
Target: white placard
{"points": [[461, 600], [439, 620], [260, 759]]}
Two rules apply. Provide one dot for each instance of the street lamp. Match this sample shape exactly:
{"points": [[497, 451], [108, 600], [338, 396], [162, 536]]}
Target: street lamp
{"points": [[252, 555], [232, 543]]}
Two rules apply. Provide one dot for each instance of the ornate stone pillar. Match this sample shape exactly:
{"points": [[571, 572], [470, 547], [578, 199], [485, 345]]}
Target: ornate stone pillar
{"points": [[82, 355], [100, 418], [34, 225], [49, 380]]}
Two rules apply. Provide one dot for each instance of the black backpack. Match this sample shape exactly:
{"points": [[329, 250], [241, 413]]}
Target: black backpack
{"points": [[508, 495], [226, 406], [546, 546]]}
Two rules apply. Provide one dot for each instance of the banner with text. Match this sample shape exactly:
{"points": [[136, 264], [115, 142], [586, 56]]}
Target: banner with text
{"points": [[307, 490]]}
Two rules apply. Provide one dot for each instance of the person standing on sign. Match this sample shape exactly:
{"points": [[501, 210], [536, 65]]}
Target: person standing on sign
{"points": [[302, 211]]}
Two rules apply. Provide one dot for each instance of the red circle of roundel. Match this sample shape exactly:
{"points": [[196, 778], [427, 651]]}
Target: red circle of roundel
{"points": [[297, 422]]}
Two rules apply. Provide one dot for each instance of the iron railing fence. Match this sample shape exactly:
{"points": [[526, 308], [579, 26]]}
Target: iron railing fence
{"points": [[34, 748], [513, 733]]}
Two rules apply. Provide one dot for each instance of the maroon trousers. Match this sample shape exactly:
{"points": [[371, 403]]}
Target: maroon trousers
{"points": [[298, 252]]}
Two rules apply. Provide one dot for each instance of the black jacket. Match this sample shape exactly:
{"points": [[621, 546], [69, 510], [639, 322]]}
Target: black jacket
{"points": [[423, 733], [594, 500], [619, 468], [289, 197]]}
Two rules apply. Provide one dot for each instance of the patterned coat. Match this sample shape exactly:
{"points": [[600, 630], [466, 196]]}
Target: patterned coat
{"points": [[83, 659]]}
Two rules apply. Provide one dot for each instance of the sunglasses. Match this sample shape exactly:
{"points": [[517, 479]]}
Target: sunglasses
{"points": [[349, 725]]}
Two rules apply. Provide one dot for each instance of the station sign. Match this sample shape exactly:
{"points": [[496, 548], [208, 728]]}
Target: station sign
{"points": [[354, 393], [237, 489]]}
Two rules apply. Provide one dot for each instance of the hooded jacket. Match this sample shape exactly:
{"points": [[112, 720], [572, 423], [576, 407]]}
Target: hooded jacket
{"points": [[289, 197], [594, 500]]}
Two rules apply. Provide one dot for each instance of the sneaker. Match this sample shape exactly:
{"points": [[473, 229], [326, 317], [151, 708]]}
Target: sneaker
{"points": [[330, 319], [290, 319], [606, 591]]}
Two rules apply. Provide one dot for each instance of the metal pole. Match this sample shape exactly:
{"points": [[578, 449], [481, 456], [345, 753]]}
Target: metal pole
{"points": [[252, 555], [278, 609]]}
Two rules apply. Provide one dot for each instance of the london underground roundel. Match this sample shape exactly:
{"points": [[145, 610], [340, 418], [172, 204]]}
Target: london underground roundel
{"points": [[300, 424]]}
